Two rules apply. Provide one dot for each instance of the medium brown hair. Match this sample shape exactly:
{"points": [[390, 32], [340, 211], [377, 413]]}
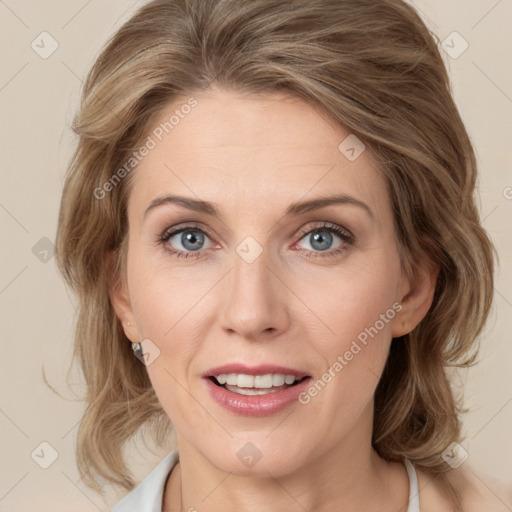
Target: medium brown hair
{"points": [[374, 68]]}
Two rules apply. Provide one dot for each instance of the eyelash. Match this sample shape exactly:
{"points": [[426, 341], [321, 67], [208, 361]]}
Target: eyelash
{"points": [[346, 237]]}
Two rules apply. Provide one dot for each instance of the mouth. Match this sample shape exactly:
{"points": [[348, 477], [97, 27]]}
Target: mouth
{"points": [[255, 391], [248, 385]]}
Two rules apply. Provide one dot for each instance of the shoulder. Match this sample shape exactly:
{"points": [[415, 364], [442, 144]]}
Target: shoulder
{"points": [[477, 492]]}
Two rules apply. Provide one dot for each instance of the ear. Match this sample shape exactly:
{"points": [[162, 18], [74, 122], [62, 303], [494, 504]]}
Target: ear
{"points": [[417, 294], [120, 298]]}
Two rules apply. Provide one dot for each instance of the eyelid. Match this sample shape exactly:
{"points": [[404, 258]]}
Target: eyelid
{"points": [[346, 236], [184, 226], [329, 226]]}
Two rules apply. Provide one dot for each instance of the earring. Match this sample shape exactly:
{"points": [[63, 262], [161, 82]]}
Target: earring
{"points": [[137, 350]]}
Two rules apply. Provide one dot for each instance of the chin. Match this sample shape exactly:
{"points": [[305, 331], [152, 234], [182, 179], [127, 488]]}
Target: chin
{"points": [[258, 458]]}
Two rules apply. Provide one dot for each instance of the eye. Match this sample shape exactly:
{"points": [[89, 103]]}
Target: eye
{"points": [[321, 240], [326, 238], [185, 241]]}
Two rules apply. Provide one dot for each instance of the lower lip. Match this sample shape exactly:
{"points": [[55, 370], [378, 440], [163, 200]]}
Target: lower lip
{"points": [[256, 405]]}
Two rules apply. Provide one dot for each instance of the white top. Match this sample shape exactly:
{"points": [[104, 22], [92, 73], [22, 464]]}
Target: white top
{"points": [[148, 495]]}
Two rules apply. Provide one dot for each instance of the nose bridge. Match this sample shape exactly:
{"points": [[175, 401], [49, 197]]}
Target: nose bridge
{"points": [[254, 301]]}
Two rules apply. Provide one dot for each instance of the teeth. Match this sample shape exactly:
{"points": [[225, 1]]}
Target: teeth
{"points": [[244, 381], [278, 379], [251, 391], [266, 381], [231, 379], [222, 379], [263, 381]]}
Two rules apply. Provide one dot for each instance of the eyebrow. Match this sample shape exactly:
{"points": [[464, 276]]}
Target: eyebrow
{"points": [[293, 210]]}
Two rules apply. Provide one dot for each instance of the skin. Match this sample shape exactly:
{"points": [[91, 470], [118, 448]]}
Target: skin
{"points": [[238, 151]]}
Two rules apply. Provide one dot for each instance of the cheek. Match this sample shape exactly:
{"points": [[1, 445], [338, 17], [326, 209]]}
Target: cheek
{"points": [[169, 305], [359, 313], [161, 292], [353, 300], [163, 304]]}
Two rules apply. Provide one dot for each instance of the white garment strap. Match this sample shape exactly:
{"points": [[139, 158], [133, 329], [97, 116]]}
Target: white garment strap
{"points": [[414, 493]]}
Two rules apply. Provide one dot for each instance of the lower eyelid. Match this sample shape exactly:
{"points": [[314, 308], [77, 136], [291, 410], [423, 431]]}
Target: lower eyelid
{"points": [[346, 239]]}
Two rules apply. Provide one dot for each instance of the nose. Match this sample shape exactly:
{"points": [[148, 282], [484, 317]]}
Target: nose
{"points": [[255, 300]]}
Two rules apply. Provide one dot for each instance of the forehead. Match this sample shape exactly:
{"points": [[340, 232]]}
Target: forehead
{"points": [[253, 153]]}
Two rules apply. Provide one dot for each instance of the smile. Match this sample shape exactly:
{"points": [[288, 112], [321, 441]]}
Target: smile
{"points": [[244, 384], [257, 391]]}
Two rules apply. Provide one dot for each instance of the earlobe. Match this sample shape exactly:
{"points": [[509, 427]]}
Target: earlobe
{"points": [[416, 300]]}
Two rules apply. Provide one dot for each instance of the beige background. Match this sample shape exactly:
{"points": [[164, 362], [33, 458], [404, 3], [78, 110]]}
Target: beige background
{"points": [[38, 98]]}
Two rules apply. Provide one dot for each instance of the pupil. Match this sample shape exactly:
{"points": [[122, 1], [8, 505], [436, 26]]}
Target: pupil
{"points": [[192, 240], [317, 239]]}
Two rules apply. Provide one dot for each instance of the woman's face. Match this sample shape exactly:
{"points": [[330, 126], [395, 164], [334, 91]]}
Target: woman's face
{"points": [[253, 276]]}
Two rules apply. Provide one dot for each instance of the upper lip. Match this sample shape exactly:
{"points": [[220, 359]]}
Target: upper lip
{"points": [[261, 369]]}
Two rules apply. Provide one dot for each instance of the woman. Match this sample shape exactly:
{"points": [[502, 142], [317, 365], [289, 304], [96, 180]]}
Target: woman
{"points": [[269, 221]]}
